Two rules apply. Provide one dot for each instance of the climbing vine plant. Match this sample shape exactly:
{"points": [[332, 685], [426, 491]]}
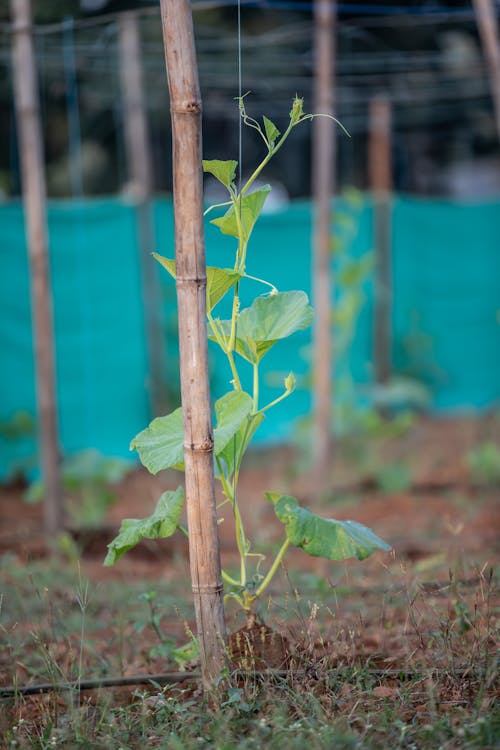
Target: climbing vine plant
{"points": [[247, 335]]}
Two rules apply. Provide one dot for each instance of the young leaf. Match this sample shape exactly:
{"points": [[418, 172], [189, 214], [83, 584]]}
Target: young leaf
{"points": [[267, 320], [161, 445], [324, 537], [224, 171], [160, 524], [272, 131], [230, 411], [232, 454], [249, 207], [219, 280]]}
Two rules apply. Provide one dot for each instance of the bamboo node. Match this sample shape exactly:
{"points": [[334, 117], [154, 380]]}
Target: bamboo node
{"points": [[208, 589], [200, 281], [205, 446], [187, 107]]}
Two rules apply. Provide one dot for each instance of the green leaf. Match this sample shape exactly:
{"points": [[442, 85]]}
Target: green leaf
{"points": [[230, 411], [324, 537], [219, 280], [269, 319], [160, 524], [224, 171], [272, 131], [161, 445], [233, 453], [249, 207]]}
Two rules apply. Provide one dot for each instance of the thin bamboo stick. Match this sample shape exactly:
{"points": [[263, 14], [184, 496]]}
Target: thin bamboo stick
{"points": [[488, 31], [34, 198], [185, 107], [140, 165]]}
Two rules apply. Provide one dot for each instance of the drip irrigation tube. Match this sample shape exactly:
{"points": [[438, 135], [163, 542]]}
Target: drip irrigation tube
{"points": [[170, 678]]}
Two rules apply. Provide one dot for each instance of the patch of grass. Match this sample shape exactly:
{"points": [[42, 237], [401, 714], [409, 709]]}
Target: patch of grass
{"points": [[392, 662]]}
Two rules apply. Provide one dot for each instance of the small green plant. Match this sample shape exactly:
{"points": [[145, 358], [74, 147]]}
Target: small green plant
{"points": [[87, 478], [247, 337]]}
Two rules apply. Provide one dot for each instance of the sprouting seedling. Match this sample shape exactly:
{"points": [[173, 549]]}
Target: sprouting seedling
{"points": [[249, 334]]}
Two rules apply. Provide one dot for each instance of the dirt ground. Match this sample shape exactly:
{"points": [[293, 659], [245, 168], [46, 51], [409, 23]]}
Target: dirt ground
{"points": [[443, 527]]}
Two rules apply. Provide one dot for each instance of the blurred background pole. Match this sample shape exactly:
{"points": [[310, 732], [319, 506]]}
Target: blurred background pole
{"points": [[140, 173], [488, 31], [191, 282], [323, 188], [380, 177], [34, 198]]}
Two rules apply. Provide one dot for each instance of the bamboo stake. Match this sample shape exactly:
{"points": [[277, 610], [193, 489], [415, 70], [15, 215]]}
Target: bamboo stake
{"points": [[34, 198], [185, 108], [140, 164], [488, 31], [380, 167], [323, 177]]}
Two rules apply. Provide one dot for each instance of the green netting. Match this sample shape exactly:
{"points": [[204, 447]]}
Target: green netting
{"points": [[446, 272]]}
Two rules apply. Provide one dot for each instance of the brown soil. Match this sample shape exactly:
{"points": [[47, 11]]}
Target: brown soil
{"points": [[444, 530]]}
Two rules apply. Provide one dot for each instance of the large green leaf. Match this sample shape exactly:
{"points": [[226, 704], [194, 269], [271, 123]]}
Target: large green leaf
{"points": [[324, 537], [224, 171], [160, 524], [249, 209], [219, 280], [233, 452], [267, 320], [161, 445]]}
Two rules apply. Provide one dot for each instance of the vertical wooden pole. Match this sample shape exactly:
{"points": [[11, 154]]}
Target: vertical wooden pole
{"points": [[34, 197], [140, 166], [488, 31], [380, 169], [185, 108], [323, 179]]}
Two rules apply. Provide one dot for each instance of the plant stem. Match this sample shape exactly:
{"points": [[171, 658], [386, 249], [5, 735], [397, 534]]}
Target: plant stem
{"points": [[276, 401], [241, 540], [269, 156], [272, 570], [255, 405], [229, 579]]}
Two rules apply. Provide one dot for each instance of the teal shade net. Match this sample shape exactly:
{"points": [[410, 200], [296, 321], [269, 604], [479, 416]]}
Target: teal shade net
{"points": [[446, 303]]}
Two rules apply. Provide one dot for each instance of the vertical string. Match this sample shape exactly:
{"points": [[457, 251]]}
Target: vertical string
{"points": [[240, 171]]}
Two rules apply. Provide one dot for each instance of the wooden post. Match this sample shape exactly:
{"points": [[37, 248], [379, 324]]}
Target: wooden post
{"points": [[185, 108], [380, 175], [34, 197], [140, 167], [488, 32], [323, 179]]}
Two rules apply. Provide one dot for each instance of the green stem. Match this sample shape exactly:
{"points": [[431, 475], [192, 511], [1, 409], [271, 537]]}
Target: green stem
{"points": [[269, 156], [276, 401], [274, 567], [229, 579], [262, 281], [241, 540], [255, 404], [234, 371]]}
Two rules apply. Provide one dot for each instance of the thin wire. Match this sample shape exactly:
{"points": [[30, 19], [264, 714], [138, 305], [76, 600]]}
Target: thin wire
{"points": [[240, 159]]}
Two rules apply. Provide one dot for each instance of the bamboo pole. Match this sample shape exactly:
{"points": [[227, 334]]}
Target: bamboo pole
{"points": [[34, 198], [323, 178], [488, 31], [380, 169], [140, 165], [185, 108]]}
